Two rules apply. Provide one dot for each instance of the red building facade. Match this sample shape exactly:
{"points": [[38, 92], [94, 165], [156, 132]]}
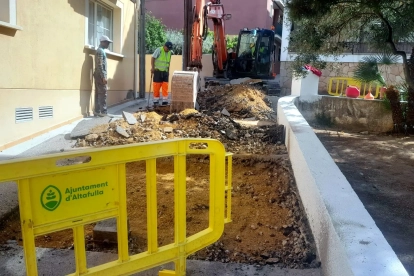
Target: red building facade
{"points": [[245, 14]]}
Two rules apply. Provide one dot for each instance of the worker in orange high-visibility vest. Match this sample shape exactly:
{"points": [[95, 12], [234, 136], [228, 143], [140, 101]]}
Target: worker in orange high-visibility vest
{"points": [[160, 66]]}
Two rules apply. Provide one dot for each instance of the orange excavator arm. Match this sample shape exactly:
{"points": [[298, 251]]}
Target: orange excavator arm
{"points": [[214, 11], [196, 48]]}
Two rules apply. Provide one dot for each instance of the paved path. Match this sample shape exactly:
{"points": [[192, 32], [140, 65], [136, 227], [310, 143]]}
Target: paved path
{"points": [[52, 260]]}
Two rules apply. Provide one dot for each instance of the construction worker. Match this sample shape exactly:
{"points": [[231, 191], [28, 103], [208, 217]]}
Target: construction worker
{"points": [[160, 66], [101, 77], [261, 48]]}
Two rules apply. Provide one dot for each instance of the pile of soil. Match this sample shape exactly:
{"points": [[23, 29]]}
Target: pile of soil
{"points": [[241, 100]]}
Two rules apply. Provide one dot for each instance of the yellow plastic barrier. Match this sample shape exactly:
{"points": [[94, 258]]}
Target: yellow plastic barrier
{"points": [[338, 85], [54, 196]]}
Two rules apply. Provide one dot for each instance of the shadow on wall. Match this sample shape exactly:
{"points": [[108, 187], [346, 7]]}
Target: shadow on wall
{"points": [[86, 82], [78, 6], [7, 31]]}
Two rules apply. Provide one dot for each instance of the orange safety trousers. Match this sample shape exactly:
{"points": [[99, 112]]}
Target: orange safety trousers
{"points": [[157, 86]]}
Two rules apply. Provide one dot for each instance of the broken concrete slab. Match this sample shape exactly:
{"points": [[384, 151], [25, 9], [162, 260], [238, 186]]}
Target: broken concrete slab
{"points": [[256, 122], [225, 112], [84, 127], [122, 131], [100, 129], [240, 81], [130, 118], [114, 120], [105, 231], [143, 117], [168, 129]]}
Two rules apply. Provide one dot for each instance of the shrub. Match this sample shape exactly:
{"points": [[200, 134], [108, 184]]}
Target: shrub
{"points": [[177, 39], [154, 33]]}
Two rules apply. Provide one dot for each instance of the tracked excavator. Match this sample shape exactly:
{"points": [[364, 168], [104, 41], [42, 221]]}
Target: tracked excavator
{"points": [[254, 56]]}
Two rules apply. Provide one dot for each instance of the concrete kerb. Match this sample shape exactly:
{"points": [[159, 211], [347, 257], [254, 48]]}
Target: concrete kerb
{"points": [[347, 239]]}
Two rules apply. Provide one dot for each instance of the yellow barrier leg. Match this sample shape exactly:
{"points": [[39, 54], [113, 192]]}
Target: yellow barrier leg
{"points": [[166, 273], [229, 187], [122, 220], [80, 253], [152, 231], [27, 227], [180, 207]]}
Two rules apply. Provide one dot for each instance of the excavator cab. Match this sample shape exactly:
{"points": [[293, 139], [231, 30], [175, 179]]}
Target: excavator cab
{"points": [[254, 54]]}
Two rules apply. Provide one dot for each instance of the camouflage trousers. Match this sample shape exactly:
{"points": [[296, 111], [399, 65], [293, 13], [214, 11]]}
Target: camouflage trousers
{"points": [[101, 93]]}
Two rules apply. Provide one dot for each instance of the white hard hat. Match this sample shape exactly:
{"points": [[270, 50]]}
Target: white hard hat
{"points": [[105, 38]]}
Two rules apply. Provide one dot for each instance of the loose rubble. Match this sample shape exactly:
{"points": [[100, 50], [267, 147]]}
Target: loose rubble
{"points": [[220, 110], [236, 137]]}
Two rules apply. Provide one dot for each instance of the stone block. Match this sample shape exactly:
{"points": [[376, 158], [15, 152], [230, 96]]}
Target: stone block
{"points": [[122, 131], [84, 127], [107, 231], [225, 112], [168, 129], [130, 118]]}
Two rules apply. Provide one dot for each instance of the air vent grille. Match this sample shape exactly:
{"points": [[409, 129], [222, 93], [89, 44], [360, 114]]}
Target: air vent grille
{"points": [[45, 112], [24, 114]]}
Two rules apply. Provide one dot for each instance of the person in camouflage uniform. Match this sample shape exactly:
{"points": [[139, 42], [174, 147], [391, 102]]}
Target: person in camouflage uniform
{"points": [[101, 77]]}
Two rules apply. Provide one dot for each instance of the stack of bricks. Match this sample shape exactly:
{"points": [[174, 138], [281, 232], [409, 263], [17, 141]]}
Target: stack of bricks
{"points": [[182, 91]]}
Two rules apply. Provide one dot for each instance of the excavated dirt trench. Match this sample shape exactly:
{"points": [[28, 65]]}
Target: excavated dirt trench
{"points": [[268, 224]]}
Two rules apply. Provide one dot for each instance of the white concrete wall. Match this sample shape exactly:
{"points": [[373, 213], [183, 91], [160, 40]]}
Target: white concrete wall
{"points": [[347, 239]]}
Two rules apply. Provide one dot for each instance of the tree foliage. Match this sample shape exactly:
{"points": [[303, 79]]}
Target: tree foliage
{"points": [[231, 42], [329, 28], [176, 37], [155, 34]]}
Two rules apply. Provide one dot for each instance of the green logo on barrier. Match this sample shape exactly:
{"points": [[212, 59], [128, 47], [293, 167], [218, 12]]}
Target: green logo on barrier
{"points": [[50, 198]]}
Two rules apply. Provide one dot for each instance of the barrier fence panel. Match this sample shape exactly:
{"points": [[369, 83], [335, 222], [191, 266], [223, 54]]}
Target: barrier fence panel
{"points": [[68, 191], [337, 87]]}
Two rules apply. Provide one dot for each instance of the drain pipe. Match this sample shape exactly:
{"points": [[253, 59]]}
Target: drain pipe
{"points": [[135, 49], [142, 50]]}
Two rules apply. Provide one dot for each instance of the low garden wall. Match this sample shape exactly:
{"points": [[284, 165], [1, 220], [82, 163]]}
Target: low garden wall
{"points": [[347, 114]]}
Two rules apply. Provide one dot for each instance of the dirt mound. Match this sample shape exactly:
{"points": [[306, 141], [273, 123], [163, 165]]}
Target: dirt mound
{"points": [[241, 100]]}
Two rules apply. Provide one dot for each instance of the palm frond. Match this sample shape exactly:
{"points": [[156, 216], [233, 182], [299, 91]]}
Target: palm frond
{"points": [[386, 58], [367, 71]]}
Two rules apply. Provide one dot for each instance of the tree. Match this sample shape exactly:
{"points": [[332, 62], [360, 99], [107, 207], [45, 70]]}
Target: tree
{"points": [[231, 42], [155, 35], [177, 39], [329, 27]]}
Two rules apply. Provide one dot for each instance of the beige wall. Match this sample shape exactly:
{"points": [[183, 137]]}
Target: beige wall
{"points": [[46, 64]]}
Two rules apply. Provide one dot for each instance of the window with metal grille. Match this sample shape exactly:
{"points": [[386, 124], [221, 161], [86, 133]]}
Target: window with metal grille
{"points": [[45, 112], [100, 22], [23, 114]]}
